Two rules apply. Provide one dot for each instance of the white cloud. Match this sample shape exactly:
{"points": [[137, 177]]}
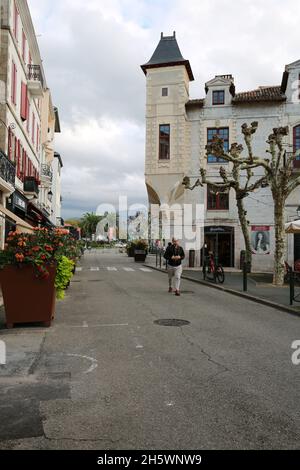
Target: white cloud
{"points": [[92, 53]]}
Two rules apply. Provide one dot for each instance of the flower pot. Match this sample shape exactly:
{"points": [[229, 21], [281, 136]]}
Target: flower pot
{"points": [[27, 299], [140, 256]]}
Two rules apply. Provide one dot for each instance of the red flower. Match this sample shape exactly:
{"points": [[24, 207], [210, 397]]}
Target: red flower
{"points": [[48, 248], [36, 248], [19, 257]]}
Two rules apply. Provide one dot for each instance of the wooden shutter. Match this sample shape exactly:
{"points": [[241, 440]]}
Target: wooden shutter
{"points": [[24, 100], [9, 152]]}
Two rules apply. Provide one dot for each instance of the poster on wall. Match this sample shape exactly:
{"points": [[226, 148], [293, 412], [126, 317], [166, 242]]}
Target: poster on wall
{"points": [[260, 239]]}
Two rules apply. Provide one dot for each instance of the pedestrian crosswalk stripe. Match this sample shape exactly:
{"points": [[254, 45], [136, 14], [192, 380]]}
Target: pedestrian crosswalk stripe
{"points": [[78, 269], [146, 270], [111, 269], [128, 269], [95, 269]]}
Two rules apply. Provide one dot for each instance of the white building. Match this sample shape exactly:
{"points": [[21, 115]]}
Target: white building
{"points": [[26, 114], [177, 131]]}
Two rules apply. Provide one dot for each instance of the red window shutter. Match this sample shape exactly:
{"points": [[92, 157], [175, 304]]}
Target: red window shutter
{"points": [[23, 101], [24, 164], [18, 157], [9, 146]]}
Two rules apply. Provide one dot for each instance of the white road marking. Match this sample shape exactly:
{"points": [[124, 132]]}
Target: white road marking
{"points": [[128, 269], [111, 269], [85, 325], [138, 344], [91, 359], [95, 269], [146, 270], [78, 269]]}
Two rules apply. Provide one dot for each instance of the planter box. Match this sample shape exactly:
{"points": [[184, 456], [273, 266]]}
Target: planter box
{"points": [[140, 256], [27, 299]]}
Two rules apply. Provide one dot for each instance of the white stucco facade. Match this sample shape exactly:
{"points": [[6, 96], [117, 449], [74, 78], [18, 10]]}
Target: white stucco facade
{"points": [[189, 121]]}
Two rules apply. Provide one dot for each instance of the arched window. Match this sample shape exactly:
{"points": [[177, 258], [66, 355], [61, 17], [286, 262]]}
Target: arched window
{"points": [[296, 142]]}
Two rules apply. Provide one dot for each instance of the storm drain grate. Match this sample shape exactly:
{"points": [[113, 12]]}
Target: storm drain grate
{"points": [[171, 322]]}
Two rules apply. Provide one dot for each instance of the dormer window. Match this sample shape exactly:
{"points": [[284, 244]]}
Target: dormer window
{"points": [[164, 92], [218, 97]]}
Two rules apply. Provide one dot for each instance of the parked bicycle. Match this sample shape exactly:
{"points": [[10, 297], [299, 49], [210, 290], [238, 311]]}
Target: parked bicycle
{"points": [[212, 270]]}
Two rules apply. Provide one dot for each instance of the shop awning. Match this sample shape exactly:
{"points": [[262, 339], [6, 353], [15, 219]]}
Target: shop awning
{"points": [[21, 225], [38, 216]]}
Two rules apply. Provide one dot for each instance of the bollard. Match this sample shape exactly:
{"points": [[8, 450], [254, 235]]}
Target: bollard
{"points": [[292, 285], [160, 259], [156, 258], [245, 277]]}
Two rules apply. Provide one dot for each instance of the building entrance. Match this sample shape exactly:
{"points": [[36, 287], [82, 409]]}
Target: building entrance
{"points": [[220, 240]]}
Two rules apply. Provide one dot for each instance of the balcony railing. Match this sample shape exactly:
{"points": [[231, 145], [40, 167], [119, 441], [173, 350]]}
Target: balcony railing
{"points": [[46, 171], [7, 169], [35, 73], [31, 186]]}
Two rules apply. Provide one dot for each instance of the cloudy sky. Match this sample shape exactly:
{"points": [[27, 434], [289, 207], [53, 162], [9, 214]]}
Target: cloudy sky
{"points": [[92, 50]]}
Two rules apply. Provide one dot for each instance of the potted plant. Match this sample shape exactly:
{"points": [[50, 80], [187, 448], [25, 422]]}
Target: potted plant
{"points": [[140, 251], [29, 266]]}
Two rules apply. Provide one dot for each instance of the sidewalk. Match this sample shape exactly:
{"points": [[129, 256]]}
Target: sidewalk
{"points": [[260, 287]]}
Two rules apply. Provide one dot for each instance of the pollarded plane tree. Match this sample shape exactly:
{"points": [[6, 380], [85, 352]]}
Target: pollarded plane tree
{"points": [[241, 185]]}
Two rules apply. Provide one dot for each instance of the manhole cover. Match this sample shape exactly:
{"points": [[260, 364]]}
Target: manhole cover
{"points": [[171, 322]]}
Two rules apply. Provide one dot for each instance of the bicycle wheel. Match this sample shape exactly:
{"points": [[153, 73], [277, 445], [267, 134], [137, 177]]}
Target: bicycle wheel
{"points": [[220, 276]]}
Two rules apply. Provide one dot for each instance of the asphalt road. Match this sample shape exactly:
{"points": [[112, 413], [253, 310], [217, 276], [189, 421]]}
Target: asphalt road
{"points": [[106, 376]]}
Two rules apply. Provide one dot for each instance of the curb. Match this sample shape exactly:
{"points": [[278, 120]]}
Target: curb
{"points": [[258, 300]]}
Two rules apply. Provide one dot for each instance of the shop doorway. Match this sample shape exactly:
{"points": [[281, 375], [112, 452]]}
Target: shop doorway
{"points": [[220, 240]]}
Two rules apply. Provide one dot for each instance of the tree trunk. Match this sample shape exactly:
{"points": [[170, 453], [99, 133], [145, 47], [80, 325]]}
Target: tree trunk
{"points": [[244, 225], [278, 277]]}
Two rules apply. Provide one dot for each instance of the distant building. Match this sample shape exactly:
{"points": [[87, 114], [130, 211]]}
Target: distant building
{"points": [[178, 129]]}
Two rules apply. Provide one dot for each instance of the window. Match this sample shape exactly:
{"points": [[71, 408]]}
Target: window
{"points": [[218, 201], [296, 145], [24, 102], [14, 84], [164, 92], [219, 97], [223, 132], [164, 142]]}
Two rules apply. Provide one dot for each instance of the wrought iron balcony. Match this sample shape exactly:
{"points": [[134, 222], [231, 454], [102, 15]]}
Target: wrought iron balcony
{"points": [[46, 171], [35, 80], [7, 169], [31, 186]]}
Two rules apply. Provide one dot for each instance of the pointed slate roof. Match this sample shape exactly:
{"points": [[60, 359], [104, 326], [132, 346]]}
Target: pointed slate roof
{"points": [[167, 54]]}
